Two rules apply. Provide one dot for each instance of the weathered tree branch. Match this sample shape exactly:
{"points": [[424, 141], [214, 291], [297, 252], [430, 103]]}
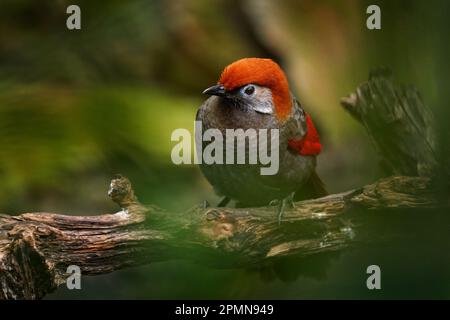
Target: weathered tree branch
{"points": [[398, 122], [37, 248]]}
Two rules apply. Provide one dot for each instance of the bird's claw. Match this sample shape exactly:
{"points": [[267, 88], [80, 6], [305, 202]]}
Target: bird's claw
{"points": [[274, 202], [212, 214], [288, 201]]}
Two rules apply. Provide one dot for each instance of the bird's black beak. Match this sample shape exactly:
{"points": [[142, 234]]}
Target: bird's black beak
{"points": [[217, 90]]}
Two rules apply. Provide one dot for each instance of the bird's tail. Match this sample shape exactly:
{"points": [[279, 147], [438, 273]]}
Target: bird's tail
{"points": [[313, 188]]}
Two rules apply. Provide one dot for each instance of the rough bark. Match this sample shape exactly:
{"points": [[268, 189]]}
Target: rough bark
{"points": [[398, 122], [37, 248]]}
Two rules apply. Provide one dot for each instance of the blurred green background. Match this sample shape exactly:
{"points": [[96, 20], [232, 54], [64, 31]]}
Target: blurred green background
{"points": [[78, 106]]}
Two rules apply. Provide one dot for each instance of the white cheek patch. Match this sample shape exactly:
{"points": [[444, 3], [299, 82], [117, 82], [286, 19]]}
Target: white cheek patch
{"points": [[264, 103], [264, 108]]}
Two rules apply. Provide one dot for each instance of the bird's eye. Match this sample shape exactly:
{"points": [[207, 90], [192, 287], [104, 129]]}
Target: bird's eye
{"points": [[249, 90]]}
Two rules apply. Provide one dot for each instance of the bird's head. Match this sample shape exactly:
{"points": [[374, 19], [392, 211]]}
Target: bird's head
{"points": [[258, 84]]}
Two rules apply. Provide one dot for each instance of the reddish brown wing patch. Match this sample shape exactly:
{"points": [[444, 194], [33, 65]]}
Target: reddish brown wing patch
{"points": [[310, 144]]}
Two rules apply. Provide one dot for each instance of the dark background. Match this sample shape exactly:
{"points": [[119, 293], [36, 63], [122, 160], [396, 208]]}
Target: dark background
{"points": [[77, 107]]}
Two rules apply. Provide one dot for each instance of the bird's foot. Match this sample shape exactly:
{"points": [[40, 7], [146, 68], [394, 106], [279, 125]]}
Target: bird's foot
{"points": [[283, 203], [290, 200], [205, 204], [280, 210], [274, 202]]}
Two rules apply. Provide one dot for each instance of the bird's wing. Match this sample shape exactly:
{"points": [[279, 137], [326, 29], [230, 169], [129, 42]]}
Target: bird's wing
{"points": [[304, 137]]}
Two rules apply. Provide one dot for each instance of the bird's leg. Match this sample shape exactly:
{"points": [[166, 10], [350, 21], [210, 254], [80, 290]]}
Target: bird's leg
{"points": [[205, 204], [288, 201], [280, 210], [223, 202]]}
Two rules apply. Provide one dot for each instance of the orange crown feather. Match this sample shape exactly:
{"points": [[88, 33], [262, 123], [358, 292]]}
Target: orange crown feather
{"points": [[263, 72]]}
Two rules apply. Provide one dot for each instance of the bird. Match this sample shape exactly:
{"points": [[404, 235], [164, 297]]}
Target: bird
{"points": [[254, 93]]}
